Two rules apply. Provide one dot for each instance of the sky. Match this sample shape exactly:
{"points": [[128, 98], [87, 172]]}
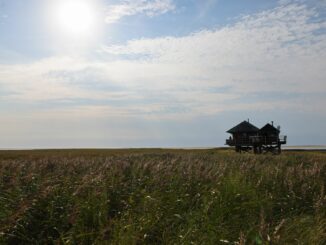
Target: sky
{"points": [[159, 73]]}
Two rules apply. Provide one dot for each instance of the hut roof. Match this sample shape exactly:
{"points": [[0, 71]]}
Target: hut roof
{"points": [[268, 128], [244, 127]]}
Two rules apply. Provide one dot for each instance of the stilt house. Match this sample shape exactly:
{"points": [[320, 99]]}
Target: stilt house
{"points": [[246, 137]]}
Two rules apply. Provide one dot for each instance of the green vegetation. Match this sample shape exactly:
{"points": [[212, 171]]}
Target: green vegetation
{"points": [[161, 197]]}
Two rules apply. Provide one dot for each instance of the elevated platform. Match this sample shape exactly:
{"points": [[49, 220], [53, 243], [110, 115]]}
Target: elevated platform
{"points": [[258, 144], [256, 141]]}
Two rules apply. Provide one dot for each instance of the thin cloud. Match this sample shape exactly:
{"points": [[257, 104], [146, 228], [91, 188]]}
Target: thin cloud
{"points": [[133, 7], [272, 50], [281, 50]]}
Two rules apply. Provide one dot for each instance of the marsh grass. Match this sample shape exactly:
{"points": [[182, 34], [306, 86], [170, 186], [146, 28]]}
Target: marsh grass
{"points": [[161, 197]]}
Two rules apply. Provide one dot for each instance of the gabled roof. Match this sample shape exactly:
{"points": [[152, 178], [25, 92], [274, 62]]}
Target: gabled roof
{"points": [[268, 128], [244, 127]]}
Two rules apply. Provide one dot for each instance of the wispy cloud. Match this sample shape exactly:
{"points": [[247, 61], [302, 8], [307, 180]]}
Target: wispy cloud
{"points": [[279, 51], [133, 7]]}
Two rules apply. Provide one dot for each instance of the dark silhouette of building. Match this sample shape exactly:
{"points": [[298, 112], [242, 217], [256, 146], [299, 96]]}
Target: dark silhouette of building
{"points": [[246, 137]]}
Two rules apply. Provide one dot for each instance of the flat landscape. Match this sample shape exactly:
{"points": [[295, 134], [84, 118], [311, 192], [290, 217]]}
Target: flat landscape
{"points": [[160, 196]]}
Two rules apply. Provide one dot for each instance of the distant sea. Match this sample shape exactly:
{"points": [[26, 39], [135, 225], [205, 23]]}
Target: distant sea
{"points": [[294, 147], [305, 147]]}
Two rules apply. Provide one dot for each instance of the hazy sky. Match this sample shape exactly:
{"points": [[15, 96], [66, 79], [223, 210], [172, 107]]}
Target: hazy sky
{"points": [[159, 73]]}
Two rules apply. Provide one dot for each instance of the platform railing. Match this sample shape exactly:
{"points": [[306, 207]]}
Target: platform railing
{"points": [[283, 139], [256, 140]]}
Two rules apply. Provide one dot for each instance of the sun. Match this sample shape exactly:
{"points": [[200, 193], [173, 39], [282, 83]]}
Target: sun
{"points": [[74, 26], [74, 17]]}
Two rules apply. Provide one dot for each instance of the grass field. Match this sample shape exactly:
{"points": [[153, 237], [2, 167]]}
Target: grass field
{"points": [[161, 197]]}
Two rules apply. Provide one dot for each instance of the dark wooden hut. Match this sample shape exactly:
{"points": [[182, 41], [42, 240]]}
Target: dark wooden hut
{"points": [[241, 135], [270, 133]]}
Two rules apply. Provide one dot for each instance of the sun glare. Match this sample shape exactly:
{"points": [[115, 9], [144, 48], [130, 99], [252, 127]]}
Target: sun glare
{"points": [[74, 17]]}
